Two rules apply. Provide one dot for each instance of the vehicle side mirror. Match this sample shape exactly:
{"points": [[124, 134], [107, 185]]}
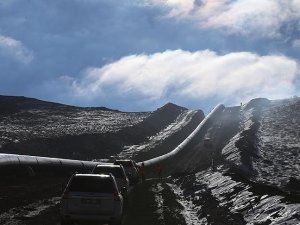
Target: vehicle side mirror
{"points": [[123, 190]]}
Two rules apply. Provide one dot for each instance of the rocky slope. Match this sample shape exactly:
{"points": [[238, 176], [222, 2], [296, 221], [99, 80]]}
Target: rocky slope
{"points": [[34, 127], [250, 172]]}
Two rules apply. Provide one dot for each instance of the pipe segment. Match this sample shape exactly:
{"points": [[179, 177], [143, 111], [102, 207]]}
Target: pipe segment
{"points": [[166, 159], [12, 163]]}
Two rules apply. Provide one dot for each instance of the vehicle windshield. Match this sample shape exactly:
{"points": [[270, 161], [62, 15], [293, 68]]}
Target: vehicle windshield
{"points": [[91, 184]]}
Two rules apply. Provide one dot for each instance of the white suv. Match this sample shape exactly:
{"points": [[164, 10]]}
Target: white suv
{"points": [[91, 197], [118, 172], [131, 169]]}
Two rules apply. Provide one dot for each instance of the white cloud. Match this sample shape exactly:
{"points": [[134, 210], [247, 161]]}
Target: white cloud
{"points": [[12, 48], [192, 76], [259, 17]]}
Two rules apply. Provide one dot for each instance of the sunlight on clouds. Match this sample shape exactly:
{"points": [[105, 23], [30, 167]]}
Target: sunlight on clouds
{"points": [[12, 48], [256, 17], [199, 75], [180, 7]]}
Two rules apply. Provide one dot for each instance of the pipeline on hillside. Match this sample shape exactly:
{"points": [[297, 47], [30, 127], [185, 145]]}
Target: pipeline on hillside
{"points": [[168, 160], [14, 163]]}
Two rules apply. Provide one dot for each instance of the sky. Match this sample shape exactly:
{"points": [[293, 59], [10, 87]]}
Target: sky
{"points": [[137, 55]]}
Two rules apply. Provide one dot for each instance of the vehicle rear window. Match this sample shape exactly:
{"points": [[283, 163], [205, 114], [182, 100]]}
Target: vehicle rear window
{"points": [[91, 184], [124, 163], [116, 171]]}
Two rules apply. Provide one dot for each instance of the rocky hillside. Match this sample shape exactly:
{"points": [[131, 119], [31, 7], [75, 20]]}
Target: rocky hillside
{"points": [[243, 168], [250, 172], [33, 127]]}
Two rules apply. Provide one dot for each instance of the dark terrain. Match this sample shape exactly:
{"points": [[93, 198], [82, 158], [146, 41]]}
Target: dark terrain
{"points": [[247, 173], [34, 127]]}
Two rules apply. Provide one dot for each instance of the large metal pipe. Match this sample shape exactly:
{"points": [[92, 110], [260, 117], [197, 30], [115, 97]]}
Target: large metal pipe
{"points": [[166, 159], [21, 163], [47, 164]]}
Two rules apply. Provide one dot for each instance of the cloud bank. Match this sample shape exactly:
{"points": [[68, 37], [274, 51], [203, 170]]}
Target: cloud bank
{"points": [[182, 76], [248, 17]]}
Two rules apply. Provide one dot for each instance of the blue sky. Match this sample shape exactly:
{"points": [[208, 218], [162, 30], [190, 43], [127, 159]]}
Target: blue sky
{"points": [[139, 55]]}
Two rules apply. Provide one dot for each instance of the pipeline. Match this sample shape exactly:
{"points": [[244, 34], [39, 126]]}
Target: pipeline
{"points": [[14, 163], [24, 164], [166, 159]]}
